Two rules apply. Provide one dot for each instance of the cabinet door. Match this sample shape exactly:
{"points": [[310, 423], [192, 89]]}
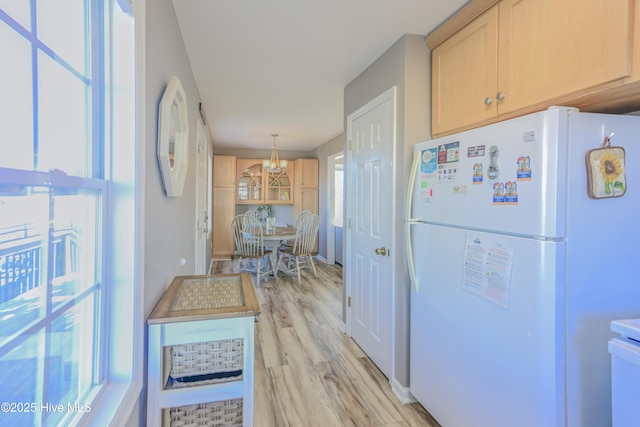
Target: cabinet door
{"points": [[551, 48], [224, 171], [464, 75], [307, 199], [307, 173], [279, 187], [223, 212], [250, 182]]}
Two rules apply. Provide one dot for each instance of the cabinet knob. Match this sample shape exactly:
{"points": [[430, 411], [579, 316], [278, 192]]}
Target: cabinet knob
{"points": [[488, 101], [500, 96]]}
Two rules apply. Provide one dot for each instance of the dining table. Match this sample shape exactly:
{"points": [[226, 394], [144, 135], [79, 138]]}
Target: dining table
{"points": [[273, 238]]}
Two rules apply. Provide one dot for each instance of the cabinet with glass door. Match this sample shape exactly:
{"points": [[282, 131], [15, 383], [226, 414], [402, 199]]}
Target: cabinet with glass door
{"points": [[250, 181], [279, 187], [256, 186]]}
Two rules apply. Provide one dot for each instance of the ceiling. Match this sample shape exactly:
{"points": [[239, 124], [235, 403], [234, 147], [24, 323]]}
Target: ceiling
{"points": [[280, 66]]}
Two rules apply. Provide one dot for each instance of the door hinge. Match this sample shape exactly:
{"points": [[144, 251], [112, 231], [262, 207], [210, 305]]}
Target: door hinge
{"points": [[349, 302], [350, 145], [349, 223]]}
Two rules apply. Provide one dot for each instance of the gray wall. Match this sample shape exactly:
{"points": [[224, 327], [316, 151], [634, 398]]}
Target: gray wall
{"points": [[406, 65], [169, 223]]}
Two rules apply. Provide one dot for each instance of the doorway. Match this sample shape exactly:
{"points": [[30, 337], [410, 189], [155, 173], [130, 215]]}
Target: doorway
{"points": [[335, 208]]}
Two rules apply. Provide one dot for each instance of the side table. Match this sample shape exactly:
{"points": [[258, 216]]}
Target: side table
{"points": [[201, 352]]}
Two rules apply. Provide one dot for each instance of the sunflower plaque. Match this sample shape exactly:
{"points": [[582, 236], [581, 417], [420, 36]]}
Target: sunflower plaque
{"points": [[606, 171]]}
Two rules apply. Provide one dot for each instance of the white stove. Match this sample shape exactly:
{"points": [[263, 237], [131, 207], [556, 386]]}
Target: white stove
{"points": [[625, 372]]}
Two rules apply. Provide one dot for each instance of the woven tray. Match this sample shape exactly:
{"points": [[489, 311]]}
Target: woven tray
{"points": [[223, 413], [209, 293]]}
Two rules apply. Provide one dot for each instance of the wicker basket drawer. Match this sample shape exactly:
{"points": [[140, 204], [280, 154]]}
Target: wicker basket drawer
{"points": [[223, 413], [202, 363]]}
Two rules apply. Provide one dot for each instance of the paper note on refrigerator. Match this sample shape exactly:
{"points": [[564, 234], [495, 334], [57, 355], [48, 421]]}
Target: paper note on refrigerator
{"points": [[487, 268]]}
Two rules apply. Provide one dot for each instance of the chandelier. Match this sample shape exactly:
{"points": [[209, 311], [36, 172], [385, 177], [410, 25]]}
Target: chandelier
{"points": [[274, 165]]}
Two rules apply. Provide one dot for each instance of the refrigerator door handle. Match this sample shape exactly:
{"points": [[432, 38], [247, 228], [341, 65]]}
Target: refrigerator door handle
{"points": [[409, 221]]}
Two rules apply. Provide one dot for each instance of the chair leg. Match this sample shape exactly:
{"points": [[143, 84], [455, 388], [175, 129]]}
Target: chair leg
{"points": [[273, 258], [313, 266], [258, 270], [298, 269]]}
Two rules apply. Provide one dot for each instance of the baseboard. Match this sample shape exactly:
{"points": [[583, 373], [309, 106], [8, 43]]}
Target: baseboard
{"points": [[320, 258], [402, 393]]}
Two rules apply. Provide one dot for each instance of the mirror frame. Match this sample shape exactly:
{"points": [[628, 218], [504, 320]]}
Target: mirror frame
{"points": [[173, 128]]}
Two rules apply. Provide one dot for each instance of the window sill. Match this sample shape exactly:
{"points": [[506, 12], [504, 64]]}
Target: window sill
{"points": [[113, 407]]}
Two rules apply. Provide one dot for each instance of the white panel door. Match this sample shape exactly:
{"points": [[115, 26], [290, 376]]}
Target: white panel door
{"points": [[203, 188], [369, 271]]}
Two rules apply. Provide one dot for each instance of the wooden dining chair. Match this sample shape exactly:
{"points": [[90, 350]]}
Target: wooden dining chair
{"points": [[248, 237], [302, 250], [296, 225], [253, 213]]}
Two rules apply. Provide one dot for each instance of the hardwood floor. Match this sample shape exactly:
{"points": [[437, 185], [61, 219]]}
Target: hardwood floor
{"points": [[307, 371]]}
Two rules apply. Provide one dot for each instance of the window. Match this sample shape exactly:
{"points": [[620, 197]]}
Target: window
{"points": [[67, 68]]}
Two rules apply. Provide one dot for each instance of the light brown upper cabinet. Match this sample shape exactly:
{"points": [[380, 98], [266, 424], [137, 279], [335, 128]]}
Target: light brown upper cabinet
{"points": [[256, 186], [464, 75], [525, 55], [250, 181]]}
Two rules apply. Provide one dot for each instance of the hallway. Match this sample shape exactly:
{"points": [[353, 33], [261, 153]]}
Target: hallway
{"points": [[308, 372]]}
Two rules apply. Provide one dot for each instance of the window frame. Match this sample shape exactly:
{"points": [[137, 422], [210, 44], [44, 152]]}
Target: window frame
{"points": [[122, 326]]}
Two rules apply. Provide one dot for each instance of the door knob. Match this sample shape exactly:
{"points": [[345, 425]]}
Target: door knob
{"points": [[488, 101], [381, 251], [500, 96]]}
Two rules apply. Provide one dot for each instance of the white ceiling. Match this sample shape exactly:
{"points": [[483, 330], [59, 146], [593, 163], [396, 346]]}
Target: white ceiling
{"points": [[280, 66]]}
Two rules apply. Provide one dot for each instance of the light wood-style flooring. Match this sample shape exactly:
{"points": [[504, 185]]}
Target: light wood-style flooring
{"points": [[307, 371]]}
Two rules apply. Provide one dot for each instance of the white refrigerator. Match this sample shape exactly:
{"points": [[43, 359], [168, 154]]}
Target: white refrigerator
{"points": [[523, 246]]}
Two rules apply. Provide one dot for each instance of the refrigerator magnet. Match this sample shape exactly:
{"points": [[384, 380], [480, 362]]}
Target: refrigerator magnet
{"points": [[478, 175], [524, 168], [606, 171]]}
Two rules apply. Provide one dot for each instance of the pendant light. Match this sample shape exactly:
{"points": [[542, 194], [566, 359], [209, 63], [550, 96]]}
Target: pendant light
{"points": [[274, 165]]}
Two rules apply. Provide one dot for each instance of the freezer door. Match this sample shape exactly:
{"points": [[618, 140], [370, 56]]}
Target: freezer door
{"points": [[508, 176], [486, 329]]}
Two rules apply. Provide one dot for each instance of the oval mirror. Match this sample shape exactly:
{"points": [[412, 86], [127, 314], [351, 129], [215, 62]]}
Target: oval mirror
{"points": [[173, 138]]}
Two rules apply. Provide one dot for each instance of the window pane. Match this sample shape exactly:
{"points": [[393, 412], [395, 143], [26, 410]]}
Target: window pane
{"points": [[19, 385], [75, 243], [63, 119], [16, 116], [70, 360], [26, 243], [52, 367], [24, 215], [18, 10], [64, 33]]}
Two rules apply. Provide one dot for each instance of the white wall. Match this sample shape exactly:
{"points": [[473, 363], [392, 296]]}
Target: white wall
{"points": [[407, 65]]}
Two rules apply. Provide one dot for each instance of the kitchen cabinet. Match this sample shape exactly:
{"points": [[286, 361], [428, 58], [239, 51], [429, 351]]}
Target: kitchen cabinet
{"points": [[224, 193], [250, 182], [256, 186], [279, 187], [306, 188], [464, 70], [520, 56]]}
